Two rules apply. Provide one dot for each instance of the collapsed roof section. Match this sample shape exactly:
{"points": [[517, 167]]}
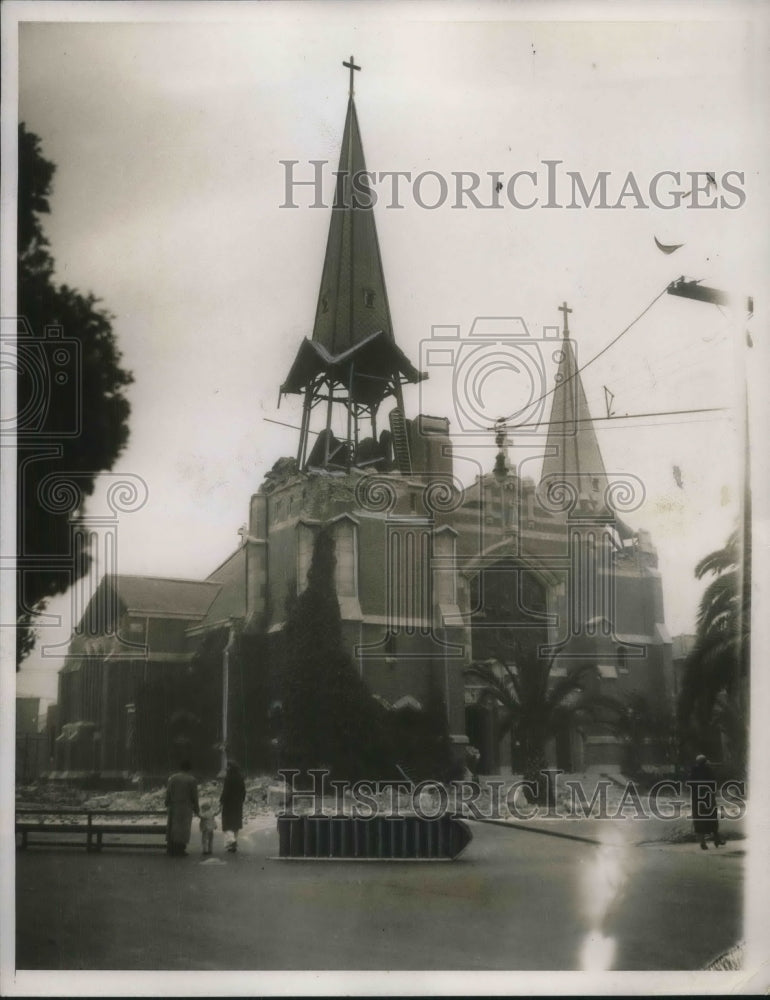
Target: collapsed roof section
{"points": [[366, 369]]}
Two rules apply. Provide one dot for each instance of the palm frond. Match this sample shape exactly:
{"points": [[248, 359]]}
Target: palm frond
{"points": [[720, 560], [720, 599], [493, 684], [564, 686]]}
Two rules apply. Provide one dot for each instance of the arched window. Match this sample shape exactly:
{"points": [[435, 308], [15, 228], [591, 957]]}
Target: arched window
{"points": [[346, 551], [445, 567]]}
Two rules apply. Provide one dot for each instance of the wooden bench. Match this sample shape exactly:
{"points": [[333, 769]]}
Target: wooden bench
{"points": [[90, 824]]}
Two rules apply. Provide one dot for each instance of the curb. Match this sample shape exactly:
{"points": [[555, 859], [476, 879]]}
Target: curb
{"points": [[537, 829]]}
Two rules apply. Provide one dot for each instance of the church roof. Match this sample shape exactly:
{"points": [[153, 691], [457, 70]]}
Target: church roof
{"points": [[231, 597], [572, 454], [155, 595], [352, 340], [160, 597]]}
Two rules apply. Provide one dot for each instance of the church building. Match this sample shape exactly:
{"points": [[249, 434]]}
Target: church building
{"points": [[430, 572]]}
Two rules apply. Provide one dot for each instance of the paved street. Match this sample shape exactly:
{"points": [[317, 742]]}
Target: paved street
{"points": [[516, 900]]}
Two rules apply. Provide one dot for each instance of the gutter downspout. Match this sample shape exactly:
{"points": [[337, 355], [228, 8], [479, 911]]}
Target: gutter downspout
{"points": [[226, 695]]}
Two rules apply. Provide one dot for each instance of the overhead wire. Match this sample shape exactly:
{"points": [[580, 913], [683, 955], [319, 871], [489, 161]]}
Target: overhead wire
{"points": [[613, 420], [604, 349], [721, 334]]}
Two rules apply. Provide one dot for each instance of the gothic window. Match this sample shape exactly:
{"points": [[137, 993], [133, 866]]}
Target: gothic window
{"points": [[533, 594], [324, 304], [347, 559], [369, 298], [444, 576], [622, 661], [531, 510], [305, 538]]}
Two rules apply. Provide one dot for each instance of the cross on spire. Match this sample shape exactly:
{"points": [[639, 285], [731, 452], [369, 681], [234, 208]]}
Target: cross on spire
{"points": [[351, 66], [564, 308]]}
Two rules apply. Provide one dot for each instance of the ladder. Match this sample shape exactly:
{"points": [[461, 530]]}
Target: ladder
{"points": [[400, 441]]}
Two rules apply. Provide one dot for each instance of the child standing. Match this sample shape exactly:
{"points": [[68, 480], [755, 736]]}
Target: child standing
{"points": [[208, 825]]}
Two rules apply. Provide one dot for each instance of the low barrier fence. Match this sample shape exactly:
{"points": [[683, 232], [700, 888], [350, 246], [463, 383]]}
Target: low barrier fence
{"points": [[46, 827]]}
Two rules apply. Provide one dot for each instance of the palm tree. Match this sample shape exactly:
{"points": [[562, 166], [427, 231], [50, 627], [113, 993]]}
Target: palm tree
{"points": [[715, 688], [534, 706]]}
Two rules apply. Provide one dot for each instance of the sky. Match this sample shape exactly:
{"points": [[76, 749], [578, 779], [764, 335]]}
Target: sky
{"points": [[168, 129]]}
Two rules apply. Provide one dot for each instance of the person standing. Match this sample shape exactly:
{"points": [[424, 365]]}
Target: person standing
{"points": [[232, 799], [703, 799], [208, 825], [182, 805]]}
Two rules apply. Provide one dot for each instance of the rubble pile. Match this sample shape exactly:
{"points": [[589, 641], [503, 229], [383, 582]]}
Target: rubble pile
{"points": [[59, 796]]}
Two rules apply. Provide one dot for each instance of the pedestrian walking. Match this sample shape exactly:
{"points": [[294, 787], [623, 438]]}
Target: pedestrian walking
{"points": [[231, 799], [182, 805], [703, 799]]}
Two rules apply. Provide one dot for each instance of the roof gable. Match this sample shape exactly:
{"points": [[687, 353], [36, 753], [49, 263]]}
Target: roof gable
{"points": [[230, 601], [155, 595]]}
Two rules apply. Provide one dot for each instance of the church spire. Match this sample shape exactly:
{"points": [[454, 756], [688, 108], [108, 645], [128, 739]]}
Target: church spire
{"points": [[352, 358], [573, 455], [352, 300]]}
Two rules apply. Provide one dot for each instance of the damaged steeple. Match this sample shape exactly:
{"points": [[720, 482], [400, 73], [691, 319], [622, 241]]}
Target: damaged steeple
{"points": [[352, 360]]}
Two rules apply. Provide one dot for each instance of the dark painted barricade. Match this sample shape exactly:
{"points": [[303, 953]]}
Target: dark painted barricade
{"points": [[382, 838]]}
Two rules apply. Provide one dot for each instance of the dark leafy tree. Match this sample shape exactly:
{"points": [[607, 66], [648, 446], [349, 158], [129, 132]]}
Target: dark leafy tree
{"points": [[71, 403], [714, 694], [330, 718]]}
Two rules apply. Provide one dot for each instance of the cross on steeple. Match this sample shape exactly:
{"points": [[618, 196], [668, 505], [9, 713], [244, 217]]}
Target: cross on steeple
{"points": [[351, 66], [564, 308]]}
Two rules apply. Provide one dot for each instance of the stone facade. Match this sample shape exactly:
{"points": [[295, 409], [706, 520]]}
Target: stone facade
{"points": [[420, 563]]}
